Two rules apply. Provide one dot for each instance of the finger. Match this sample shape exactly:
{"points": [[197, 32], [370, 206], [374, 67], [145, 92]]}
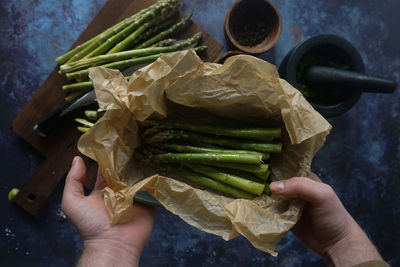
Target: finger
{"points": [[303, 188], [75, 178], [100, 182], [315, 177]]}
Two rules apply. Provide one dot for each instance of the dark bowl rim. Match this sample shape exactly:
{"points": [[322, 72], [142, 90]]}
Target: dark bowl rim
{"points": [[289, 68], [232, 40]]}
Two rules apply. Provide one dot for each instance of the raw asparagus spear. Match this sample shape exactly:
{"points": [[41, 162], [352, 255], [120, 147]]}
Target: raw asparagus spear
{"points": [[261, 171], [134, 37], [73, 95], [154, 31], [64, 58], [93, 43], [233, 180], [210, 183], [102, 59], [162, 7], [82, 129], [207, 157], [118, 65], [77, 86], [81, 86], [272, 147], [167, 32], [123, 64], [165, 42], [243, 174], [196, 149], [262, 134], [84, 122]]}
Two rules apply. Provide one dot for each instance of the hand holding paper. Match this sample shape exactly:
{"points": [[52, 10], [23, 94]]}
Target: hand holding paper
{"points": [[325, 225], [104, 244]]}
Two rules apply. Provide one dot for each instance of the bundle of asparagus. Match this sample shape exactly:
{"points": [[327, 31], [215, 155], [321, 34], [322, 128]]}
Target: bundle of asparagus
{"points": [[232, 161], [137, 40]]}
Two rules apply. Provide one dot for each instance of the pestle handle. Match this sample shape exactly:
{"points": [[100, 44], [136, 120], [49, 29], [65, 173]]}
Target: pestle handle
{"points": [[326, 78]]}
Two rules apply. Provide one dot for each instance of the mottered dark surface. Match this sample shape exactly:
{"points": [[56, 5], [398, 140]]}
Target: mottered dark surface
{"points": [[359, 160]]}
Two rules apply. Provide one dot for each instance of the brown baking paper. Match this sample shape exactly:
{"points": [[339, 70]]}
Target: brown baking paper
{"points": [[245, 90]]}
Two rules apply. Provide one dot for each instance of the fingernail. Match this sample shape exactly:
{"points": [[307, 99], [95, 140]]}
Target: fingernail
{"points": [[74, 160], [277, 187]]}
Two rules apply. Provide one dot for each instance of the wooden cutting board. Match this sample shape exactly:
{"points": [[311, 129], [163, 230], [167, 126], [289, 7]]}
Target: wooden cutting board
{"points": [[60, 147]]}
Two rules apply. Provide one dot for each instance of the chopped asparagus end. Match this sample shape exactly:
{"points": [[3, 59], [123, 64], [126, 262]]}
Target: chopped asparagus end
{"points": [[84, 122], [91, 115], [12, 194], [83, 129]]}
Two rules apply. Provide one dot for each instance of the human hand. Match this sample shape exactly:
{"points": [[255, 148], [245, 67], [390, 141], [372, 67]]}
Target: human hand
{"points": [[325, 225], [104, 244]]}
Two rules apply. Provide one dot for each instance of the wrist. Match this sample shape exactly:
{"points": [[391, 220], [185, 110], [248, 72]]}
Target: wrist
{"points": [[108, 253], [353, 249]]}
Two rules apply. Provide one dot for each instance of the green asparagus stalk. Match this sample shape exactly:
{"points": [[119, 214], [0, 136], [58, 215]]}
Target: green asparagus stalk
{"points": [[233, 180], [123, 64], [82, 129], [73, 95], [195, 149], [262, 134], [272, 147], [261, 171], [207, 157], [155, 30], [118, 65], [102, 59], [267, 190], [243, 174], [91, 115], [77, 86], [134, 37], [84, 122], [210, 183], [167, 32], [162, 7], [81, 86], [93, 43], [165, 42], [64, 58], [267, 175]]}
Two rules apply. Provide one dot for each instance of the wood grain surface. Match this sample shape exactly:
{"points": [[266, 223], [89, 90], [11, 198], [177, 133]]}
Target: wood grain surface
{"points": [[60, 147]]}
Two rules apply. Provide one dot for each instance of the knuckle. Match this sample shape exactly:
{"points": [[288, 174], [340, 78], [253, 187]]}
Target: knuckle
{"points": [[295, 186], [328, 192], [296, 181]]}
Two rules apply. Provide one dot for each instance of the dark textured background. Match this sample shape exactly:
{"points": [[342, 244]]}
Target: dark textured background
{"points": [[360, 159]]}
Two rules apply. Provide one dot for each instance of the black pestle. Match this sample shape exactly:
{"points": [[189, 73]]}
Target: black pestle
{"points": [[327, 78]]}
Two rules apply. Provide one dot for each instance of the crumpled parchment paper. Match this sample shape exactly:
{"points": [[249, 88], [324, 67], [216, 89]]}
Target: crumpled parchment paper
{"points": [[243, 90]]}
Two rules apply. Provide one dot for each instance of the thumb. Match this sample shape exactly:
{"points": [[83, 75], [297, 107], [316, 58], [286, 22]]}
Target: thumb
{"points": [[100, 182], [303, 188], [74, 181]]}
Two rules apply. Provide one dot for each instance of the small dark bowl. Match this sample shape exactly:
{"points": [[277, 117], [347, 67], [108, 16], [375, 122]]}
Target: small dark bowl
{"points": [[262, 11], [221, 59], [330, 48]]}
